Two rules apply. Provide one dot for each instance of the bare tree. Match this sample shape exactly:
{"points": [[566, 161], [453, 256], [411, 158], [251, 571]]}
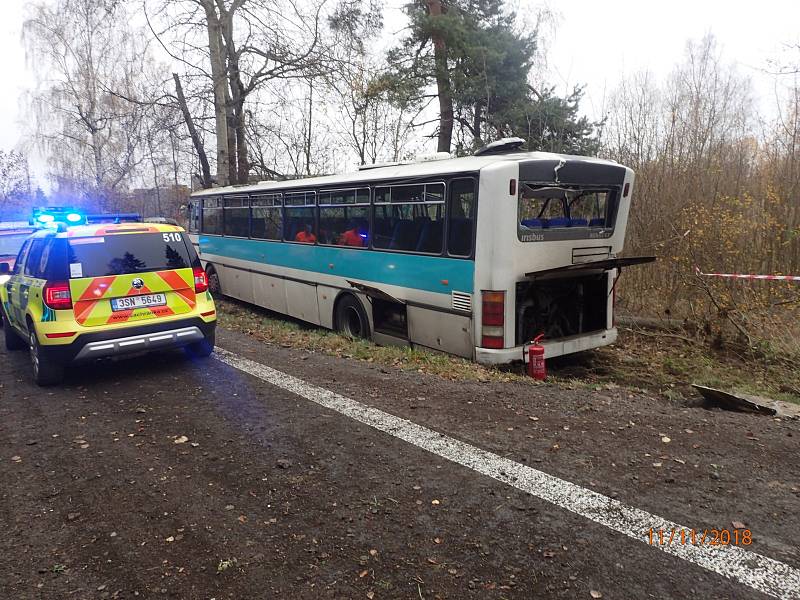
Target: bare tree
{"points": [[82, 49]]}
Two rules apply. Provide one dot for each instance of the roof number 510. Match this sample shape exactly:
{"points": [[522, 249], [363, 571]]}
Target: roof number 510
{"points": [[171, 237]]}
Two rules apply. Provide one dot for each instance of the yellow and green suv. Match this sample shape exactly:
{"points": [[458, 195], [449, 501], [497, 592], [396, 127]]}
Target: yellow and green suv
{"points": [[99, 291]]}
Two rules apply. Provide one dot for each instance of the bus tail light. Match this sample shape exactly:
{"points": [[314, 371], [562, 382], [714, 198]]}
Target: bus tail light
{"points": [[493, 309], [57, 296], [200, 280]]}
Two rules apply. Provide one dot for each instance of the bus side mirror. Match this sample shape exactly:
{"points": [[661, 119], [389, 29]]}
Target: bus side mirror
{"points": [[5, 269]]}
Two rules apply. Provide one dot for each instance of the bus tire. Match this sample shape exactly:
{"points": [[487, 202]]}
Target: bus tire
{"points": [[350, 318], [12, 338], [214, 285]]}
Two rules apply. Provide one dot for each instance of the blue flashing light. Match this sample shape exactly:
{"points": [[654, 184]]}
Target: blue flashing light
{"points": [[74, 217], [45, 218]]}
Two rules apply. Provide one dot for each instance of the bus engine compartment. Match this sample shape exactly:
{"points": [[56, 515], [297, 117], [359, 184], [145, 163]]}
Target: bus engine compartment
{"points": [[562, 307]]}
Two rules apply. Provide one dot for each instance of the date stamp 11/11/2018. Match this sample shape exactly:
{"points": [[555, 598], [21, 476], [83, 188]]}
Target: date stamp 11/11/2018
{"points": [[699, 537]]}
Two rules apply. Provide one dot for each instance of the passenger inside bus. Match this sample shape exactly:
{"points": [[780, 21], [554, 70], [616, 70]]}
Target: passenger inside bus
{"points": [[353, 236], [306, 235]]}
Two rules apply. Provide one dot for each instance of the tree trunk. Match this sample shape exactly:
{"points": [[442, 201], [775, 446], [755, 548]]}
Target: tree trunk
{"points": [[442, 81], [310, 120], [197, 142], [237, 134], [221, 107]]}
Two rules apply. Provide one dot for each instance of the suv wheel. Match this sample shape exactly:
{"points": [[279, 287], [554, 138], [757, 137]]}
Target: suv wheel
{"points": [[44, 371], [13, 340]]}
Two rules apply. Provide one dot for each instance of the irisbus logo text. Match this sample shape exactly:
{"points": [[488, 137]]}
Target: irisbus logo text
{"points": [[532, 237]]}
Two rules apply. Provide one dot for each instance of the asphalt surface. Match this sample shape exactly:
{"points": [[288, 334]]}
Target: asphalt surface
{"points": [[163, 477]]}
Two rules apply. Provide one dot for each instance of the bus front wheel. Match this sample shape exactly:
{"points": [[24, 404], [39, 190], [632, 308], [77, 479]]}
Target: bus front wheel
{"points": [[350, 317]]}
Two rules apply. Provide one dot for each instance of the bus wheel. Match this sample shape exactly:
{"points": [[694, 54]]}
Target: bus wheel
{"points": [[213, 280], [350, 318]]}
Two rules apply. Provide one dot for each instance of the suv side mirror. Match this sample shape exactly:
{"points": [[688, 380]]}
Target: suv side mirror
{"points": [[5, 269]]}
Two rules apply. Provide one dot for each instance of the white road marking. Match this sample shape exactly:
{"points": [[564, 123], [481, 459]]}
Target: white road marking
{"points": [[759, 572]]}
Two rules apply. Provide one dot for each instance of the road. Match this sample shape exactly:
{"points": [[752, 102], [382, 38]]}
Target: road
{"points": [[271, 472]]}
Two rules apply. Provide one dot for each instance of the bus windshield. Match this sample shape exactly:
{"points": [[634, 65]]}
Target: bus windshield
{"points": [[552, 207]]}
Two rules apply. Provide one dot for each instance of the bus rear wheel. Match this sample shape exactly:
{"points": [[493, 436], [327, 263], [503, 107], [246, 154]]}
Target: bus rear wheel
{"points": [[213, 280], [350, 317]]}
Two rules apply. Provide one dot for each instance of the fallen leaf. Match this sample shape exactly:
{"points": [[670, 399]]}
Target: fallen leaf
{"points": [[595, 594], [738, 525], [16, 459], [437, 540], [170, 539], [666, 440], [363, 574], [435, 502], [373, 552], [656, 464], [534, 418], [181, 440], [370, 595]]}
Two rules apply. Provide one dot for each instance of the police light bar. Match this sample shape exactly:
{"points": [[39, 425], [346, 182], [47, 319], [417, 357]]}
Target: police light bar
{"points": [[114, 218], [51, 216]]}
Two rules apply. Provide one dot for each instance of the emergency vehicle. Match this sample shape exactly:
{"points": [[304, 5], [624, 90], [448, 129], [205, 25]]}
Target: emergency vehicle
{"points": [[81, 293]]}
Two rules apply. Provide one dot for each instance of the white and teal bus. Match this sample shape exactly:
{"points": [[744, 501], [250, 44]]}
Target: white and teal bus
{"points": [[472, 256]]}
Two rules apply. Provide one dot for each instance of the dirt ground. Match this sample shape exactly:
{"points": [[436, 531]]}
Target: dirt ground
{"points": [[272, 496]]}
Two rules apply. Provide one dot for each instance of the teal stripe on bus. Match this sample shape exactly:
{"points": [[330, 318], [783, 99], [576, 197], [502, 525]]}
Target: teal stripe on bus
{"points": [[391, 268]]}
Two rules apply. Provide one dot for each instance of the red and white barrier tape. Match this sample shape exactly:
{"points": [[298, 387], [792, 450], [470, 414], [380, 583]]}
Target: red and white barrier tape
{"points": [[748, 276]]}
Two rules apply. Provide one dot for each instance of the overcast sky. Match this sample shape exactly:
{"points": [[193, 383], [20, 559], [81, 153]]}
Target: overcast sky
{"points": [[594, 43]]}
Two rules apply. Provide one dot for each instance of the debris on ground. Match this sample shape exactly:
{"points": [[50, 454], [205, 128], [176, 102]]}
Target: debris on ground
{"points": [[748, 403]]}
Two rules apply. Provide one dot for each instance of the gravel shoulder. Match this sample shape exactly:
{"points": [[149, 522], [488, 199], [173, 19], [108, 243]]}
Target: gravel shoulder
{"points": [[270, 495]]}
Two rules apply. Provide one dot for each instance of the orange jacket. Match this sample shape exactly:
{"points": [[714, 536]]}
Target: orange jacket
{"points": [[305, 237], [351, 237]]}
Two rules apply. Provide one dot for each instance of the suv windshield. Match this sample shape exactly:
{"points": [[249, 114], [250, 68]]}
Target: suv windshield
{"points": [[121, 254]]}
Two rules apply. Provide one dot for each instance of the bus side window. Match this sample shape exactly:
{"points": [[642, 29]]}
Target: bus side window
{"points": [[462, 217], [300, 225], [194, 216], [212, 216]]}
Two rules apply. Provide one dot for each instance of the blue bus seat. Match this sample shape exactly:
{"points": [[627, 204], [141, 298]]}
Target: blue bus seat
{"points": [[532, 223], [430, 238], [557, 222], [403, 236], [460, 238]]}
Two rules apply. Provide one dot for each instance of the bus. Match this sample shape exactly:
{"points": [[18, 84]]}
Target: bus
{"points": [[472, 256]]}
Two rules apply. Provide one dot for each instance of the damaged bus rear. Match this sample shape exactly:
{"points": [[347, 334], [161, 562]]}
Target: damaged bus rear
{"points": [[552, 228]]}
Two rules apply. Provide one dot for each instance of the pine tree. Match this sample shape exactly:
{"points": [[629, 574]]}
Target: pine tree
{"points": [[479, 63]]}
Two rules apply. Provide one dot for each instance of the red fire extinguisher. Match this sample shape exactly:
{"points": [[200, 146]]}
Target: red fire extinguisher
{"points": [[533, 357]]}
